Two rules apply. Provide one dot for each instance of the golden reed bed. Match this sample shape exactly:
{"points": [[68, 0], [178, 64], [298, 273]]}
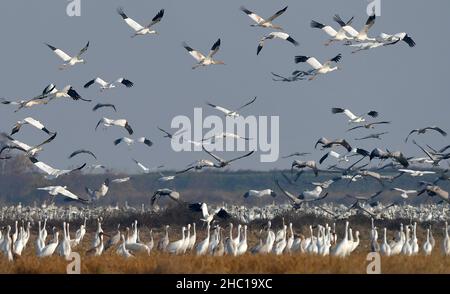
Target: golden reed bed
{"points": [[159, 263]]}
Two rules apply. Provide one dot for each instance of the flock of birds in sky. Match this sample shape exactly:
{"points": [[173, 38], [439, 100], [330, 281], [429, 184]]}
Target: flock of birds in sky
{"points": [[339, 151]]}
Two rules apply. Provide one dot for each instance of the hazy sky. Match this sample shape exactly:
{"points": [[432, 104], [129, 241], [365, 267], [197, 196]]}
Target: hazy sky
{"points": [[407, 86]]}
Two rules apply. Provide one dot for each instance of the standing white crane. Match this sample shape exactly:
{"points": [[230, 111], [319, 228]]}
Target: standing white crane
{"points": [[203, 60], [69, 60], [319, 68], [202, 247], [139, 29], [261, 22]]}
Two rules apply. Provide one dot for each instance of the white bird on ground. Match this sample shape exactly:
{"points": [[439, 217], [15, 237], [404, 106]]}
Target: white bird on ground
{"points": [[203, 60], [69, 60], [319, 68], [385, 249], [243, 245], [123, 123], [341, 249], [130, 142], [231, 113], [122, 250], [50, 248], [427, 247], [139, 29], [32, 122], [446, 241], [416, 173], [202, 247], [352, 118], [275, 35], [260, 193], [192, 238], [61, 190], [176, 246], [404, 193], [107, 85], [53, 173], [261, 22], [360, 36]]}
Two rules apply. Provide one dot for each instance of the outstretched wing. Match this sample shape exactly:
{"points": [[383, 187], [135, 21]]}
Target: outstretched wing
{"points": [[214, 48], [83, 50], [129, 21], [277, 14], [247, 104], [194, 53], [61, 54], [157, 18]]}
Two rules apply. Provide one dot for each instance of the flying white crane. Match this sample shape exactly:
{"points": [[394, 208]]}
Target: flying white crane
{"points": [[139, 29], [203, 60], [360, 36], [352, 118], [275, 35], [130, 142], [206, 216], [404, 193], [69, 61], [29, 150], [145, 169], [100, 193], [394, 39], [416, 173], [52, 173], [261, 22], [260, 194], [106, 85], [336, 36], [123, 123], [32, 122], [231, 113], [319, 68], [61, 190], [68, 91]]}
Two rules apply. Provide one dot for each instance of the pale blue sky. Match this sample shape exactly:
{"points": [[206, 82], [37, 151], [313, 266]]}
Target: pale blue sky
{"points": [[407, 86]]}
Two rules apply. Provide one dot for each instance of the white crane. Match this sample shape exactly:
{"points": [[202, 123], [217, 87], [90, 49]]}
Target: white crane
{"points": [[404, 193], [319, 68], [68, 91], [360, 36], [139, 29], [130, 141], [69, 61], [260, 193], [385, 249], [29, 150], [336, 36], [206, 216], [394, 39], [446, 241], [261, 22], [416, 173], [203, 60], [123, 123], [176, 246], [50, 248], [61, 190], [352, 118], [231, 113], [427, 247], [32, 122], [275, 35], [101, 192], [52, 173], [109, 85]]}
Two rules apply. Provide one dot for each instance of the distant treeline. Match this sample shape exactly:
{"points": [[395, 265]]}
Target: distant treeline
{"points": [[19, 181]]}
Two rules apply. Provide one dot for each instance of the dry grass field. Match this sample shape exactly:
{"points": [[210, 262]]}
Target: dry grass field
{"points": [[160, 263]]}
